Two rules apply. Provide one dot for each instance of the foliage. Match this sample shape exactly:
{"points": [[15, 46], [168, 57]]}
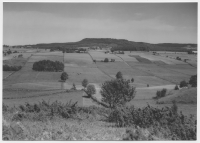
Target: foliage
{"points": [[176, 87], [132, 80], [193, 81], [74, 87], [183, 83], [160, 94], [11, 68], [106, 60], [64, 76], [90, 90], [47, 65], [119, 75], [85, 83], [116, 92], [165, 120]]}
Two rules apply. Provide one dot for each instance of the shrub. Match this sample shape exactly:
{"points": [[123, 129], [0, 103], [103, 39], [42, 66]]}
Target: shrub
{"points": [[161, 93], [106, 60], [193, 81], [85, 83], [176, 87], [132, 80], [119, 75], [64, 76], [183, 83]]}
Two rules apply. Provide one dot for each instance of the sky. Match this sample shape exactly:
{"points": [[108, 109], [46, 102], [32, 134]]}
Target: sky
{"points": [[33, 23]]}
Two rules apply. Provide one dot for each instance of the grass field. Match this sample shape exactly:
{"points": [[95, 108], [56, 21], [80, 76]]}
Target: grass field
{"points": [[48, 96], [101, 56], [36, 58], [78, 60], [77, 74]]}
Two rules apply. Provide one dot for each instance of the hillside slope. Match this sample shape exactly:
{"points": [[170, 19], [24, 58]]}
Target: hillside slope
{"points": [[181, 96]]}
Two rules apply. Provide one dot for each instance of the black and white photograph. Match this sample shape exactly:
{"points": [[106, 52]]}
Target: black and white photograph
{"points": [[99, 71]]}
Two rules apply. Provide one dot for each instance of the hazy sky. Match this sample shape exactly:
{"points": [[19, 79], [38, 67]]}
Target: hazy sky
{"points": [[31, 23]]}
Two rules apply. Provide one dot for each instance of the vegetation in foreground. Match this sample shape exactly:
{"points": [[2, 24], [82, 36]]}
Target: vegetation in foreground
{"points": [[57, 121]]}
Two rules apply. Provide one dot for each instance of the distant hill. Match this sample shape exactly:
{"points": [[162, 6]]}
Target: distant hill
{"points": [[119, 44]]}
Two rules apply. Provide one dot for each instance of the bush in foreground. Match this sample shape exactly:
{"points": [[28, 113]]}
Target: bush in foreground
{"points": [[146, 123]]}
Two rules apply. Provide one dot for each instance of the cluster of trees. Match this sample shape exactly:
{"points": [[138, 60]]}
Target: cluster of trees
{"points": [[192, 82], [47, 65], [11, 68], [160, 93], [7, 52], [178, 58]]}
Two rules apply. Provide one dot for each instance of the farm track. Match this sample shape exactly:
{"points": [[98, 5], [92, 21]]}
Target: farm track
{"points": [[144, 70], [100, 69]]}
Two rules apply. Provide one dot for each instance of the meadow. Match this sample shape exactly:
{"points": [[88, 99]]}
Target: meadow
{"points": [[150, 73]]}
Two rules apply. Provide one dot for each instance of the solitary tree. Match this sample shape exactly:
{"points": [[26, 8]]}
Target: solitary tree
{"points": [[85, 83], [119, 75], [193, 81], [90, 90], [176, 87], [116, 92], [132, 80], [64, 76]]}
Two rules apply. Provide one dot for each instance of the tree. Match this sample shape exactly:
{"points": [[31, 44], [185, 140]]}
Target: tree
{"points": [[116, 92], [106, 60], [85, 83], [193, 81], [64, 76], [90, 90], [176, 87], [119, 75], [74, 87], [183, 83], [132, 80]]}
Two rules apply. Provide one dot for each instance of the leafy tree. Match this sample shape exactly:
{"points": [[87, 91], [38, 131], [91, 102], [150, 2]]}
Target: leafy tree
{"points": [[119, 75], [132, 80], [183, 83], [176, 87], [90, 90], [106, 60], [193, 81], [64, 76], [85, 83], [74, 86], [116, 92], [161, 93]]}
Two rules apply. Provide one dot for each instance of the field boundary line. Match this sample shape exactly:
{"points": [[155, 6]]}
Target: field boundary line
{"points": [[99, 68], [18, 70], [143, 70]]}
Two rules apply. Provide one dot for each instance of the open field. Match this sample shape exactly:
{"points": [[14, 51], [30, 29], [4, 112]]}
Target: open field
{"points": [[48, 96], [157, 71], [36, 58], [78, 60], [77, 74], [154, 58], [101, 56]]}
